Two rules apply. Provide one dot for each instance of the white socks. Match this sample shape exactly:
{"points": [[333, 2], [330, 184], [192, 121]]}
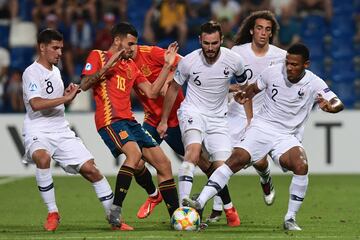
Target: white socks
{"points": [[217, 181], [297, 192], [218, 204], [186, 174], [104, 193], [46, 187]]}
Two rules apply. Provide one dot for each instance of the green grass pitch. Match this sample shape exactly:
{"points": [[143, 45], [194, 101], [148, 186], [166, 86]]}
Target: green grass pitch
{"points": [[331, 210]]}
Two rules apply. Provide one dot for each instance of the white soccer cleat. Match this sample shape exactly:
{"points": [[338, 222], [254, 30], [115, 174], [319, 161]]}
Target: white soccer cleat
{"points": [[269, 192], [291, 225], [214, 216], [269, 199]]}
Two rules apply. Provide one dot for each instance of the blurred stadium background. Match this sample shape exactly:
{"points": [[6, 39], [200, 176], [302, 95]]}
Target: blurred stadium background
{"points": [[331, 29]]}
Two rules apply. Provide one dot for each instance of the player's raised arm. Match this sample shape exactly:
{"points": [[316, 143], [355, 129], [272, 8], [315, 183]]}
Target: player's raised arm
{"points": [[153, 90], [334, 105], [88, 81], [168, 103]]}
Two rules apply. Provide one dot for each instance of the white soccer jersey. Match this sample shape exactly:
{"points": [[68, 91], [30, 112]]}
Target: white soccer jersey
{"points": [[41, 82], [208, 84], [253, 66], [287, 105]]}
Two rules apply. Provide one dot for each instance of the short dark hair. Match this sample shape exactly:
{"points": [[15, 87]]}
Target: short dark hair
{"points": [[299, 49], [122, 29], [243, 35], [211, 27], [47, 35]]}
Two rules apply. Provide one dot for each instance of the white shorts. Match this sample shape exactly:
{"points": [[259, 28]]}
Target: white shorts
{"points": [[237, 124], [214, 133], [64, 147], [261, 139]]}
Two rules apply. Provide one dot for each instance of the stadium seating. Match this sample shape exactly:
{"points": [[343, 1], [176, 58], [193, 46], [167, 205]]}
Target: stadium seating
{"points": [[4, 33]]}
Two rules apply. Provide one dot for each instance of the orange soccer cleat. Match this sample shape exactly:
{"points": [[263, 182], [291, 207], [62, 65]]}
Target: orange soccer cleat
{"points": [[123, 227], [146, 209], [52, 221], [232, 217]]}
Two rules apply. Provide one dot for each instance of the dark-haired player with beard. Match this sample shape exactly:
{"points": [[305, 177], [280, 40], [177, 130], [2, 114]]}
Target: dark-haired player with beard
{"points": [[202, 115]]}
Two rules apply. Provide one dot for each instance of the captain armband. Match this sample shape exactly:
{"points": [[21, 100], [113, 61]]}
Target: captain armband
{"points": [[242, 78]]}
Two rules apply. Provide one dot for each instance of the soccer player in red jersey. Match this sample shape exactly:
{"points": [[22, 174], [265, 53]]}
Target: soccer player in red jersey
{"points": [[112, 74], [150, 61]]}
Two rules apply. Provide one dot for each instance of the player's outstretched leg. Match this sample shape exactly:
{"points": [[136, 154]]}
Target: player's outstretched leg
{"points": [[144, 179], [167, 186], [123, 181], [104, 193], [297, 191], [46, 187], [232, 215]]}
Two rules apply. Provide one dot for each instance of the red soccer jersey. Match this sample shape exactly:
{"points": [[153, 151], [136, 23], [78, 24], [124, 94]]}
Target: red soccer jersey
{"points": [[112, 95], [150, 60]]}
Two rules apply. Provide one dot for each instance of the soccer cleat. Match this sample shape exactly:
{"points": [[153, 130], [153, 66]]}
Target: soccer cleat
{"points": [[269, 192], [52, 221], [232, 217], [123, 227], [203, 226], [188, 202], [146, 209], [214, 216], [114, 217], [291, 225]]}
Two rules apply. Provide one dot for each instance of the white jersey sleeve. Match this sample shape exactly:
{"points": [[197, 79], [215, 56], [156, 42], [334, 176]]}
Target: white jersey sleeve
{"points": [[182, 72], [320, 87], [31, 85]]}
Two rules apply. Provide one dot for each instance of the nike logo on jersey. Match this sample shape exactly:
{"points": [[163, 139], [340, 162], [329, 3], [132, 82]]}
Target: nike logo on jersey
{"points": [[301, 93], [274, 85], [226, 71], [190, 120], [196, 73]]}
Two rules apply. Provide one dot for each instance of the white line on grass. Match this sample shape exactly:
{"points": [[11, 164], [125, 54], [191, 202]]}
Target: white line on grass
{"points": [[10, 179], [192, 237]]}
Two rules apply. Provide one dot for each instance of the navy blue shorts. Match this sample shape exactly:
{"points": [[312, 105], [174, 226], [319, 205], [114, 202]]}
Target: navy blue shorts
{"points": [[118, 133], [173, 138]]}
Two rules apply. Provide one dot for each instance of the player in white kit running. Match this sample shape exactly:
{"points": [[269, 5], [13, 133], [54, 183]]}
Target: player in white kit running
{"points": [[290, 93], [253, 44], [46, 132], [202, 114]]}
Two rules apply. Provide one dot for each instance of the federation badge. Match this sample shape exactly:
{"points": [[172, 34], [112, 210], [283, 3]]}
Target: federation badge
{"points": [[123, 135]]}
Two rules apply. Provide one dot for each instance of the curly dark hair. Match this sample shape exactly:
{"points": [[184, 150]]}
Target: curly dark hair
{"points": [[243, 35]]}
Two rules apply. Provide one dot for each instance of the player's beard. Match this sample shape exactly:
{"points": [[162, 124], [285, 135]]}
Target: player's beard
{"points": [[211, 58]]}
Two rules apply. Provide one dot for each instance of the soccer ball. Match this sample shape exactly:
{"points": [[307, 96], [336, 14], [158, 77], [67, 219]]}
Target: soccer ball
{"points": [[185, 218]]}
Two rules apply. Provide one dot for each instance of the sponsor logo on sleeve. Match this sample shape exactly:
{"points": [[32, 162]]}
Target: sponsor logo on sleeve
{"points": [[88, 67], [32, 87], [326, 90]]}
